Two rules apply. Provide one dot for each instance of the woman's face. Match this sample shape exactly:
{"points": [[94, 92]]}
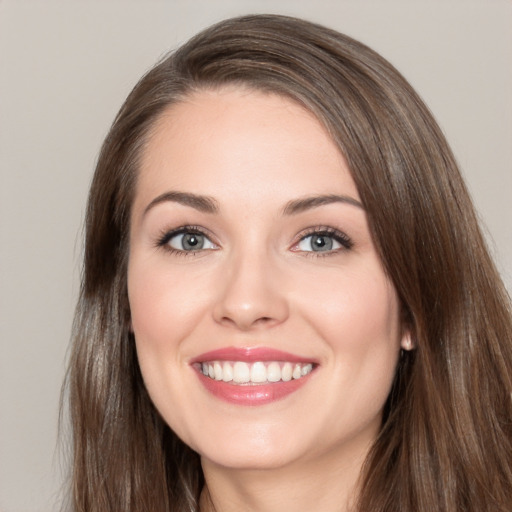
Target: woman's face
{"points": [[266, 329]]}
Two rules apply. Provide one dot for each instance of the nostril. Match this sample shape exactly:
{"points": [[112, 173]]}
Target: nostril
{"points": [[261, 320], [249, 304]]}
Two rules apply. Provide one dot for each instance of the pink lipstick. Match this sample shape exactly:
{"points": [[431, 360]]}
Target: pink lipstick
{"points": [[252, 376]]}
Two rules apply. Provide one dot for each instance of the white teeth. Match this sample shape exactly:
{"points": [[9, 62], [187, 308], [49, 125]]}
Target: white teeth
{"points": [[273, 372], [258, 373], [240, 372], [227, 372], [217, 371], [286, 372], [306, 369]]}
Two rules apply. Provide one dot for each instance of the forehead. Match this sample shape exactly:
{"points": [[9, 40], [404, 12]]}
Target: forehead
{"points": [[220, 141]]}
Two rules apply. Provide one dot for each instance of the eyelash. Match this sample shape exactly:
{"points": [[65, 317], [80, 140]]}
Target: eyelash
{"points": [[166, 236], [340, 237], [343, 239]]}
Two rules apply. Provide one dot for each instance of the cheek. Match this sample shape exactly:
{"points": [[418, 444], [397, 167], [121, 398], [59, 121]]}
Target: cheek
{"points": [[357, 317], [353, 305], [165, 308], [164, 305]]}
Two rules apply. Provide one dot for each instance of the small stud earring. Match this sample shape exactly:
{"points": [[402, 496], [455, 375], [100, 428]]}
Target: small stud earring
{"points": [[407, 343]]}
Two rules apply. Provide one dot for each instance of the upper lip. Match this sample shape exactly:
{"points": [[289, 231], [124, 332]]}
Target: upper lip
{"points": [[250, 355]]}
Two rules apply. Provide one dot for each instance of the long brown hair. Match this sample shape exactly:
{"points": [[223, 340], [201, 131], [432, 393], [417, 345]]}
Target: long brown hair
{"points": [[446, 437]]}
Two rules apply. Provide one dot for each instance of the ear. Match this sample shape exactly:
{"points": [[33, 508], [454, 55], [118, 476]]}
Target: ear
{"points": [[407, 342]]}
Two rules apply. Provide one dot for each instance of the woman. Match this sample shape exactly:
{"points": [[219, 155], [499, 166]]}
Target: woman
{"points": [[286, 299]]}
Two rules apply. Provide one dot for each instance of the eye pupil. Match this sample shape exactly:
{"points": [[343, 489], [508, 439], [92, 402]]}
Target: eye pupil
{"points": [[321, 243], [192, 241]]}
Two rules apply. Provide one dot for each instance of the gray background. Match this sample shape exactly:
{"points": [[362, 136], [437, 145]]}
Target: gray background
{"points": [[65, 68]]}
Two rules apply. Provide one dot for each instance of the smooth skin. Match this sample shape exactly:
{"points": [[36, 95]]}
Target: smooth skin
{"points": [[241, 267]]}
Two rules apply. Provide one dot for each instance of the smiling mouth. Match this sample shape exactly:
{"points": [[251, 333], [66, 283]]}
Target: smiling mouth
{"points": [[252, 376], [254, 373]]}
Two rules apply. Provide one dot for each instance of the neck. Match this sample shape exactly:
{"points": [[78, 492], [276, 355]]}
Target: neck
{"points": [[329, 485]]}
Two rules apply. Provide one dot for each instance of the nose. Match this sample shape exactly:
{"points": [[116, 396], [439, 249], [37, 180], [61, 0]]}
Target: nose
{"points": [[252, 295]]}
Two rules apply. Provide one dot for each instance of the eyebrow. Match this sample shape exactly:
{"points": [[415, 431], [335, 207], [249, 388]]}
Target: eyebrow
{"points": [[202, 203], [306, 203], [208, 204]]}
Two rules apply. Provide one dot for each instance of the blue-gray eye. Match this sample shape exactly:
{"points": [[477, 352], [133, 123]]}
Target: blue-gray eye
{"points": [[190, 241], [319, 243]]}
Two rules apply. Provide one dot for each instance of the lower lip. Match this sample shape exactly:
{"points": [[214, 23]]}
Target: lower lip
{"points": [[251, 394]]}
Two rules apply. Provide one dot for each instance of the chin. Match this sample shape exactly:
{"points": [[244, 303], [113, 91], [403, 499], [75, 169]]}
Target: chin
{"points": [[250, 447], [250, 458]]}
